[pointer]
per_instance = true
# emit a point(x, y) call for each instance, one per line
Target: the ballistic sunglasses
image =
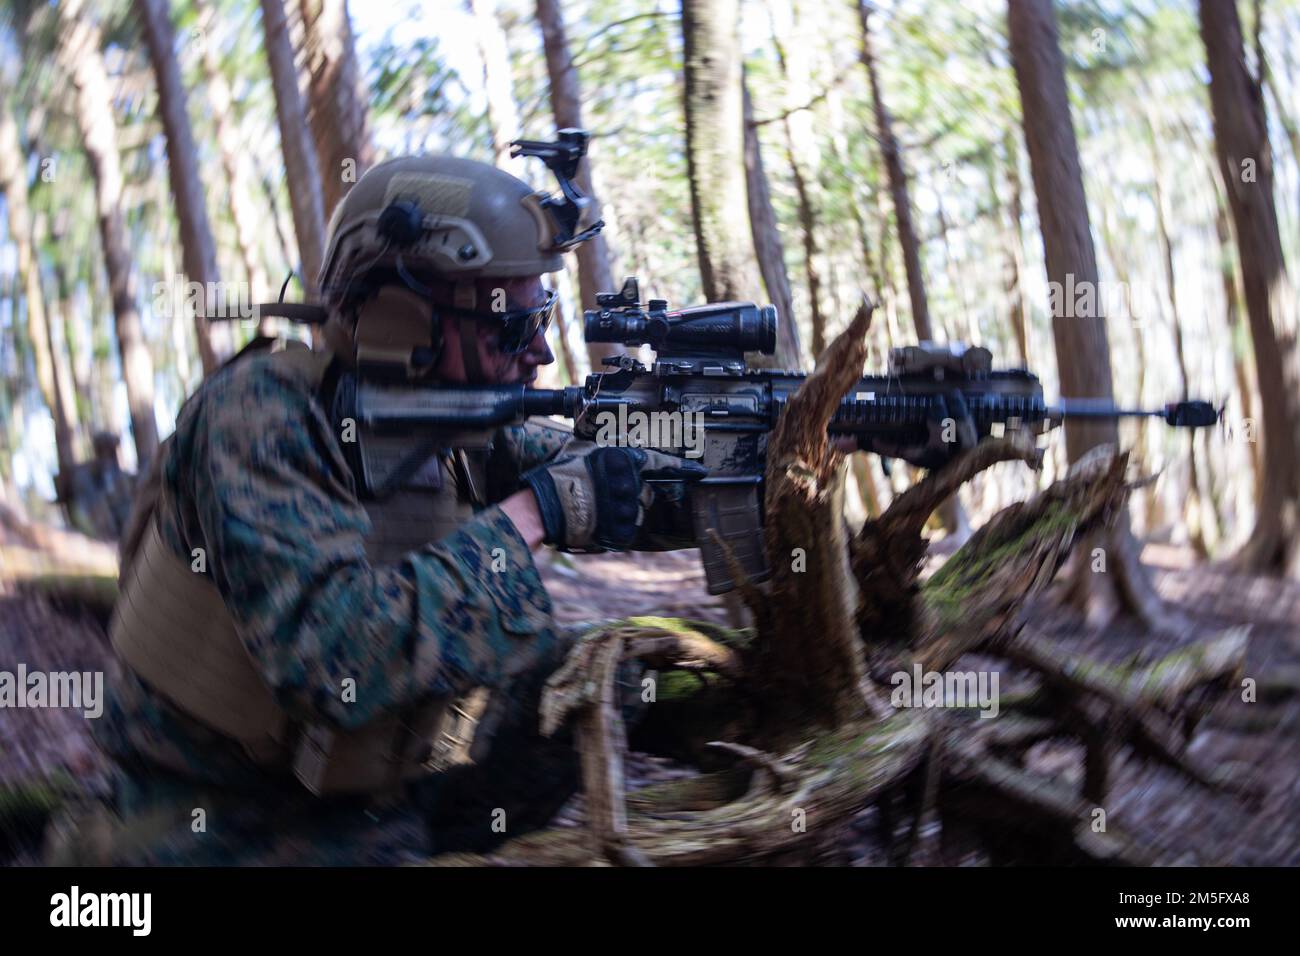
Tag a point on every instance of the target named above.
point(518, 326)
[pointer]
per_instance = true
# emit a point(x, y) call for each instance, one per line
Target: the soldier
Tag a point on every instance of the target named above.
point(97, 493)
point(302, 600)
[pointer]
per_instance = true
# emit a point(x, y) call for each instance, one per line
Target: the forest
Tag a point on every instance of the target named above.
point(1105, 193)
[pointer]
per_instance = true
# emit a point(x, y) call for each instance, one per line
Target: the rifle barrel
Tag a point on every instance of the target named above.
point(1187, 414)
point(1100, 408)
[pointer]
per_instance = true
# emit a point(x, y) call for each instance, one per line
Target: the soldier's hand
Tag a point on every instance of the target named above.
point(594, 498)
point(950, 430)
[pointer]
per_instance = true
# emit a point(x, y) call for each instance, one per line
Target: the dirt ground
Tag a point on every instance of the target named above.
point(1259, 741)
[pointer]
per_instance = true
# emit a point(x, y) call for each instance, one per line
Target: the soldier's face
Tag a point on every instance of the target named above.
point(498, 368)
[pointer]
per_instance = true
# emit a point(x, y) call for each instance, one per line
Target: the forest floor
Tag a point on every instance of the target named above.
point(1260, 743)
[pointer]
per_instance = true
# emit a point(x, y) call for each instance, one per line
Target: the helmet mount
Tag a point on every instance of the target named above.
point(562, 158)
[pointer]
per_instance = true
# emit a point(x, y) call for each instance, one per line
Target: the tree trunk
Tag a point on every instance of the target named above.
point(808, 232)
point(1267, 83)
point(280, 224)
point(198, 251)
point(1152, 514)
point(300, 163)
point(63, 347)
point(872, 267)
point(893, 333)
point(1082, 350)
point(766, 232)
point(81, 359)
point(233, 162)
point(952, 513)
point(715, 148)
point(594, 270)
point(1238, 335)
point(1013, 246)
point(1083, 353)
point(13, 182)
point(571, 368)
point(79, 48)
point(1241, 143)
point(1241, 359)
point(803, 159)
point(336, 99)
point(103, 379)
point(1193, 508)
point(897, 186)
point(972, 333)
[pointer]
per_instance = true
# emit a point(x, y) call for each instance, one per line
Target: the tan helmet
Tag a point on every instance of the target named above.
point(429, 218)
point(455, 218)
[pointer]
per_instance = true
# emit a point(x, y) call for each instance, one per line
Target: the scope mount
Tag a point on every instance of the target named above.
point(932, 359)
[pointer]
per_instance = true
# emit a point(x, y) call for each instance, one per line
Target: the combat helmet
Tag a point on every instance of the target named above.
point(415, 220)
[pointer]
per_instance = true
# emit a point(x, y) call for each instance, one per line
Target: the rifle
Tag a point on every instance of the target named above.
point(717, 409)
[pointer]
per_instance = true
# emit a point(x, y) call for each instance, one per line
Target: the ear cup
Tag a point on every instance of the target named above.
point(398, 334)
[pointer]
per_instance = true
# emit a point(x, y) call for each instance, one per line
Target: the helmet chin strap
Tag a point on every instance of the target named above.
point(466, 297)
point(469, 351)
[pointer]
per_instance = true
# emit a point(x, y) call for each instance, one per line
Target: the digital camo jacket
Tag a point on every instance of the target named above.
point(254, 482)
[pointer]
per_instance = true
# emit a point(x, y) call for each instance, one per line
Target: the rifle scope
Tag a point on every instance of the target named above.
point(740, 326)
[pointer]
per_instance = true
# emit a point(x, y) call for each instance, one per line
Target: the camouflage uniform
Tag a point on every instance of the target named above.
point(255, 477)
point(309, 584)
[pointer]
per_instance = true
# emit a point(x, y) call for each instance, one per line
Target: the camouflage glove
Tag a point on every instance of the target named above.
point(949, 431)
point(594, 498)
